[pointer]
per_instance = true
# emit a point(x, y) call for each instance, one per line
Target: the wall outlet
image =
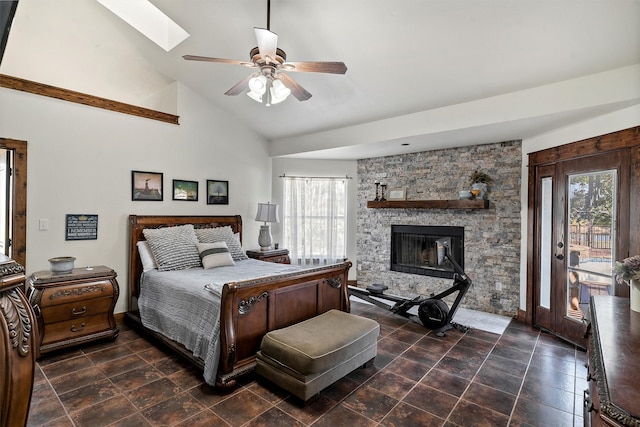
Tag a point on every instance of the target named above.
point(498, 286)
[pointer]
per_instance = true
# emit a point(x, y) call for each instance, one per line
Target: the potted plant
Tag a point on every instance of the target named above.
point(629, 271)
point(479, 182)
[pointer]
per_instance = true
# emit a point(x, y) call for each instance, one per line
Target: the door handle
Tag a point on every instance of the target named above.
point(560, 256)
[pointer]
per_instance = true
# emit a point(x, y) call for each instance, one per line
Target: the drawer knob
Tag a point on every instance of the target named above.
point(79, 313)
point(74, 329)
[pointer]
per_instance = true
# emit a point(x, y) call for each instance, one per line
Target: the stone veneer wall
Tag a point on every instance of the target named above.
point(492, 236)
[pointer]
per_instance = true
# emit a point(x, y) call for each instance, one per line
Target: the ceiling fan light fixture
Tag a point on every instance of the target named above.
point(258, 85)
point(270, 59)
point(255, 96)
point(279, 92)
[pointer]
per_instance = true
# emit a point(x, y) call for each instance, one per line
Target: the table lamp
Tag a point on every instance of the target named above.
point(267, 212)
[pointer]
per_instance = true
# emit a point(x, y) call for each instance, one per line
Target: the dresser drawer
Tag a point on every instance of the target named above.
point(55, 295)
point(76, 310)
point(70, 329)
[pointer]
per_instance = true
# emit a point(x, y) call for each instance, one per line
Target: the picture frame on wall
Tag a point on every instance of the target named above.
point(147, 186)
point(217, 192)
point(185, 190)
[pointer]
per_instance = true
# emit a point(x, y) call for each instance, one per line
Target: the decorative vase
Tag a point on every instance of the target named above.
point(61, 264)
point(635, 295)
point(480, 188)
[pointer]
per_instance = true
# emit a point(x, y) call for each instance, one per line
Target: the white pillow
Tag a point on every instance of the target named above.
point(217, 234)
point(146, 257)
point(214, 254)
point(174, 248)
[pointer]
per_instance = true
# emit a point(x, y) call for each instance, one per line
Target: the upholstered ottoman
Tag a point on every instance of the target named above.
point(307, 357)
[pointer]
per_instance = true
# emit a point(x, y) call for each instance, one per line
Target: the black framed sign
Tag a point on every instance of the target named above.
point(81, 227)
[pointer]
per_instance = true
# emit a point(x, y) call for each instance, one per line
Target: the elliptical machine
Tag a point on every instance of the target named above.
point(433, 312)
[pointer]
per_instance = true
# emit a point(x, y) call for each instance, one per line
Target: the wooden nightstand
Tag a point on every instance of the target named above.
point(74, 308)
point(280, 256)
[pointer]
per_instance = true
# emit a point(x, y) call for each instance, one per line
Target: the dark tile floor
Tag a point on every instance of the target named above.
point(520, 378)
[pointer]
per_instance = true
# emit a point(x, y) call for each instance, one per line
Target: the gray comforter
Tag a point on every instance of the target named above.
point(184, 305)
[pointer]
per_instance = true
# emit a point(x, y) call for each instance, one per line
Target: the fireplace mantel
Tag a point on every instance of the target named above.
point(429, 204)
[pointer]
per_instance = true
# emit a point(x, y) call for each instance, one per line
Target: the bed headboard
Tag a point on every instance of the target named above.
point(137, 223)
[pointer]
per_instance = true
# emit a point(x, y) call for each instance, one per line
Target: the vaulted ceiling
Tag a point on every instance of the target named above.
point(428, 73)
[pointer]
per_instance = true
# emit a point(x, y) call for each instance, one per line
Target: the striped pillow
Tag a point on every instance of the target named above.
point(174, 248)
point(218, 234)
point(214, 254)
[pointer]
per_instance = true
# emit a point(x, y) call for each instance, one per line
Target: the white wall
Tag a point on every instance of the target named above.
point(299, 167)
point(601, 125)
point(80, 160)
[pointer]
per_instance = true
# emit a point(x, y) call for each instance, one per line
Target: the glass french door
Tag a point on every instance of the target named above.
point(5, 201)
point(576, 234)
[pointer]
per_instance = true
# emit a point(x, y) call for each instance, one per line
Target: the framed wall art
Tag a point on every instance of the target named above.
point(185, 190)
point(217, 192)
point(146, 186)
point(397, 193)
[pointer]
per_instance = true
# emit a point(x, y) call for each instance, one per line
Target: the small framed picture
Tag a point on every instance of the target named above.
point(185, 190)
point(146, 186)
point(397, 193)
point(82, 227)
point(217, 192)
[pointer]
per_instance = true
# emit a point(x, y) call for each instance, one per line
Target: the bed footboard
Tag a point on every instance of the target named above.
point(250, 309)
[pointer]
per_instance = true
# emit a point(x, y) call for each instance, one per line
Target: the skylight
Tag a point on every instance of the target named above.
point(149, 20)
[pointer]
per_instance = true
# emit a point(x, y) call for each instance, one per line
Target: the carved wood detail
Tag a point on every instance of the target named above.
point(19, 323)
point(17, 345)
point(78, 291)
point(245, 306)
point(334, 282)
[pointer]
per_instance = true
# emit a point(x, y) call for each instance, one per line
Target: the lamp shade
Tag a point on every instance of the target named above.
point(267, 212)
point(258, 84)
point(279, 92)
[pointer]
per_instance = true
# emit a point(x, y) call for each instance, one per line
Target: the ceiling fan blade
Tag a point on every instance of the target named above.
point(241, 86)
point(267, 44)
point(298, 91)
point(316, 67)
point(221, 60)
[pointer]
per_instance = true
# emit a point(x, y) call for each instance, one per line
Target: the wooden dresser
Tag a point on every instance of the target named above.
point(74, 308)
point(18, 345)
point(274, 255)
point(613, 397)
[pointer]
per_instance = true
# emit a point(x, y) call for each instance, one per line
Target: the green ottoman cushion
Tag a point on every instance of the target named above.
point(320, 343)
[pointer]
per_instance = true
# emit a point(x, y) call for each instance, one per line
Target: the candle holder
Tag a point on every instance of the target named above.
point(377, 199)
point(382, 197)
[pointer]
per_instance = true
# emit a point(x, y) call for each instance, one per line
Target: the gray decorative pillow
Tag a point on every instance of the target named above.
point(218, 234)
point(215, 254)
point(174, 248)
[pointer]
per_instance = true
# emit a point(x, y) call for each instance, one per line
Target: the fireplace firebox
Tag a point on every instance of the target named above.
point(420, 249)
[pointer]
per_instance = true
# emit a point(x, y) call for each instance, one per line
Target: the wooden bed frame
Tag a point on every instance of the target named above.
point(249, 309)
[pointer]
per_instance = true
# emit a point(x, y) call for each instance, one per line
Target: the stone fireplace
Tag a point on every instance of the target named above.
point(420, 249)
point(490, 252)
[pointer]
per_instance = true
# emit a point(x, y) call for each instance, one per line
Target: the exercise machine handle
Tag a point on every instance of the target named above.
point(459, 271)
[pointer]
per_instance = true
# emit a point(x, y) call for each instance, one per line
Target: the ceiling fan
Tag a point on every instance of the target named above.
point(271, 62)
